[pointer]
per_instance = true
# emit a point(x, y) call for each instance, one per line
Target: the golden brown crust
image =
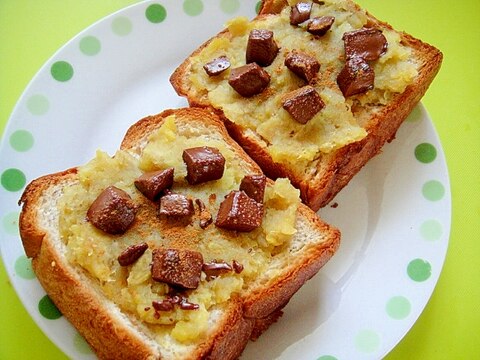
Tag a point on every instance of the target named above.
point(328, 176)
point(114, 335)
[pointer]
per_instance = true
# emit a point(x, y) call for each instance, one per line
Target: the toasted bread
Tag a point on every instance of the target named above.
point(110, 305)
point(321, 156)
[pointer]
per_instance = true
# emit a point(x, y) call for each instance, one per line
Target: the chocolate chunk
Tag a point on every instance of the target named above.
point(302, 65)
point(176, 205)
point(300, 12)
point(187, 305)
point(217, 66)
point(205, 216)
point(214, 269)
point(132, 254)
point(254, 186)
point(249, 80)
point(356, 77)
point(113, 211)
point(237, 267)
point(303, 104)
point(261, 47)
point(164, 305)
point(204, 164)
point(151, 184)
point(367, 43)
point(239, 212)
point(320, 25)
point(177, 267)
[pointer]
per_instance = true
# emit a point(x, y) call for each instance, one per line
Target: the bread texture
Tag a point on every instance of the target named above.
point(62, 245)
point(318, 160)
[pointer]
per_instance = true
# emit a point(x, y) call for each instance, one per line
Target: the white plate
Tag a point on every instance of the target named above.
point(394, 216)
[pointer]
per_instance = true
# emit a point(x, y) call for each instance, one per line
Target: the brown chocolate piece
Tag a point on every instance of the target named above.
point(204, 164)
point(261, 47)
point(367, 43)
point(177, 267)
point(187, 305)
point(217, 66)
point(214, 269)
point(176, 205)
point(237, 267)
point(132, 254)
point(164, 305)
point(254, 186)
point(239, 212)
point(356, 77)
point(300, 12)
point(303, 104)
point(113, 211)
point(320, 25)
point(302, 65)
point(151, 184)
point(205, 216)
point(249, 80)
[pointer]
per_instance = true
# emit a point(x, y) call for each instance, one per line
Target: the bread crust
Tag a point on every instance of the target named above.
point(115, 335)
point(327, 176)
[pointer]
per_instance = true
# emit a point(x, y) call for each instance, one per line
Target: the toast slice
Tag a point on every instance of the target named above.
point(319, 153)
point(120, 309)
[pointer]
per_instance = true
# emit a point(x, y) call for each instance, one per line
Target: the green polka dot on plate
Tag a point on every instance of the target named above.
point(61, 71)
point(122, 26)
point(398, 307)
point(81, 344)
point(425, 153)
point(38, 104)
point(23, 268)
point(48, 309)
point(13, 180)
point(367, 341)
point(327, 357)
point(155, 13)
point(431, 230)
point(229, 6)
point(419, 270)
point(258, 7)
point(433, 190)
point(21, 140)
point(193, 7)
point(10, 223)
point(89, 45)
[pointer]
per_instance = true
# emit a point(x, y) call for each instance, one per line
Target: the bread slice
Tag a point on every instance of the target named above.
point(321, 156)
point(76, 263)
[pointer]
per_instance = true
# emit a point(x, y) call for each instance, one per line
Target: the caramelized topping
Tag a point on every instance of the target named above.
point(303, 104)
point(254, 186)
point(132, 254)
point(366, 43)
point(249, 80)
point(302, 65)
point(300, 12)
point(177, 267)
point(356, 77)
point(203, 164)
point(113, 211)
point(237, 267)
point(151, 184)
point(217, 66)
point(320, 25)
point(261, 47)
point(176, 205)
point(239, 212)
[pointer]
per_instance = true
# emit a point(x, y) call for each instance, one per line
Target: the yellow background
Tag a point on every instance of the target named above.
point(449, 328)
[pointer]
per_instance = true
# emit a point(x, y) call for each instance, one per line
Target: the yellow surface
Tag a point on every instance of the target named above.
point(31, 31)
